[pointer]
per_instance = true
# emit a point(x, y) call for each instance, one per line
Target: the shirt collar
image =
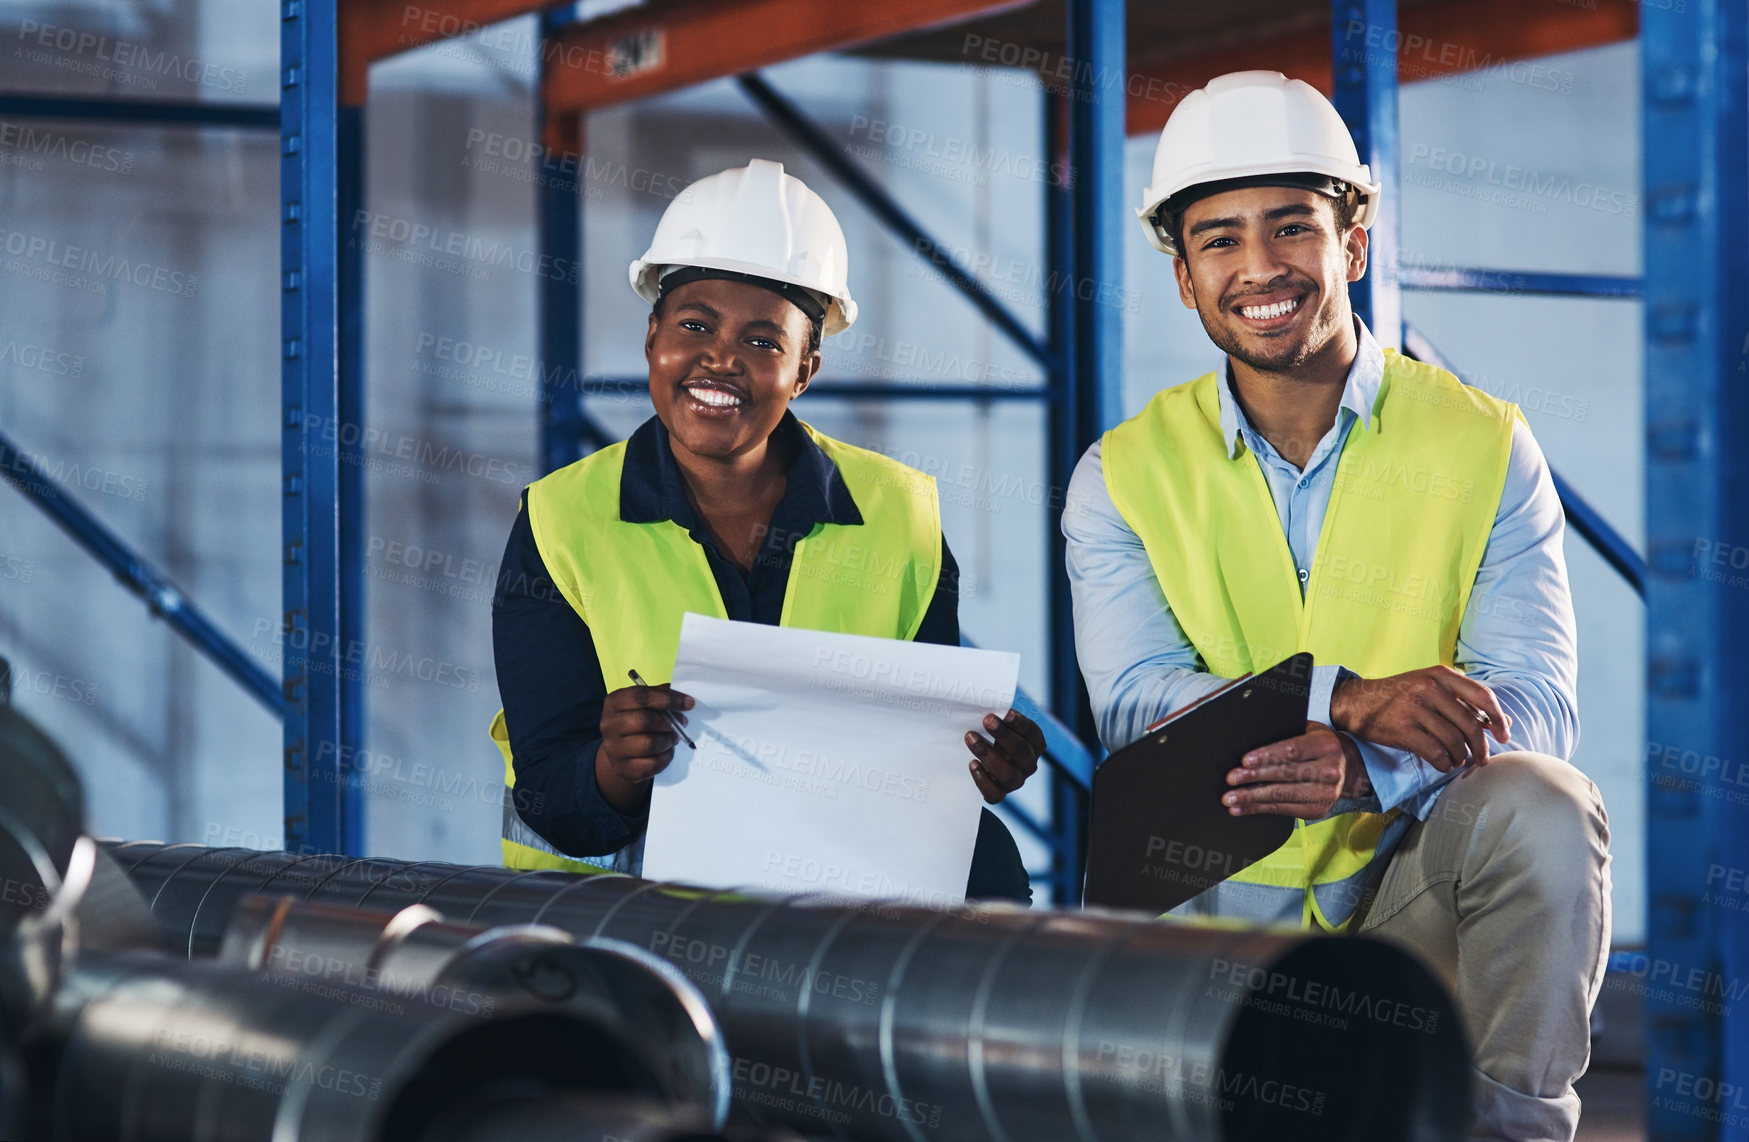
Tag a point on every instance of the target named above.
point(651, 488)
point(1359, 393)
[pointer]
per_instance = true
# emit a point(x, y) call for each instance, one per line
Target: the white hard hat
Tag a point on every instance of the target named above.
point(754, 220)
point(1251, 125)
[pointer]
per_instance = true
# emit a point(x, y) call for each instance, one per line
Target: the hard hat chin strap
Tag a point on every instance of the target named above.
point(798, 296)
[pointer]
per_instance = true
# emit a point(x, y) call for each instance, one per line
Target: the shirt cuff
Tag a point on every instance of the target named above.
point(1324, 680)
point(594, 801)
point(1367, 804)
point(1401, 780)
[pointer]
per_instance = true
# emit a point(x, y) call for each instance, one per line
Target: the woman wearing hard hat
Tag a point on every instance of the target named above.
point(1321, 493)
point(702, 510)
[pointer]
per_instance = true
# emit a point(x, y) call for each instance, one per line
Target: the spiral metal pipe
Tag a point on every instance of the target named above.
point(653, 1007)
point(153, 1049)
point(586, 1119)
point(123, 1044)
point(871, 1022)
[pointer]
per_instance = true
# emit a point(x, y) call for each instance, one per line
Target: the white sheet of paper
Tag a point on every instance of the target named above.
point(826, 763)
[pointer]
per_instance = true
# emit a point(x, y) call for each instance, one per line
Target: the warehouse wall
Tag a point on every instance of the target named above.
point(170, 417)
point(137, 366)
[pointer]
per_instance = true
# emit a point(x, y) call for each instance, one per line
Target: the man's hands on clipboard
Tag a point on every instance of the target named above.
point(1436, 713)
point(1299, 777)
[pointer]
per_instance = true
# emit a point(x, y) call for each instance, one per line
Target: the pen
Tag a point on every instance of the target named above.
point(672, 720)
point(1480, 715)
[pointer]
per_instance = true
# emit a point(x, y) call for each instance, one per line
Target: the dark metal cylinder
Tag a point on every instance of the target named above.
point(585, 1119)
point(13, 1093)
point(162, 1050)
point(880, 1022)
point(649, 1003)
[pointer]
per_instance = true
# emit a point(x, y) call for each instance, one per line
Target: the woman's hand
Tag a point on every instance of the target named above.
point(637, 742)
point(1002, 765)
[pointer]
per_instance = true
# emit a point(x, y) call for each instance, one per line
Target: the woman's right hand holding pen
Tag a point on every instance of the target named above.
point(637, 742)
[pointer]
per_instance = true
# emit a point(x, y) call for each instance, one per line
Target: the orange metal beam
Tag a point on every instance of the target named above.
point(637, 53)
point(1435, 40)
point(372, 30)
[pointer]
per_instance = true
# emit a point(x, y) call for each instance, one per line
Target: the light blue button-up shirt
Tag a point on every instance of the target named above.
point(1517, 634)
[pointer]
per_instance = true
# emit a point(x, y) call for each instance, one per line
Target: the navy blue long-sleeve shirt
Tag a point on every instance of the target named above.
point(549, 675)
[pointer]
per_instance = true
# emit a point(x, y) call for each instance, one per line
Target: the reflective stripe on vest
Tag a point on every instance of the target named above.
point(523, 847)
point(1414, 499)
point(633, 582)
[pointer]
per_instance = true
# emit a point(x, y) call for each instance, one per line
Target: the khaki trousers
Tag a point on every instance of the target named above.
point(1504, 893)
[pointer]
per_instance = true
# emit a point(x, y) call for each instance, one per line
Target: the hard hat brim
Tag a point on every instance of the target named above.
point(646, 281)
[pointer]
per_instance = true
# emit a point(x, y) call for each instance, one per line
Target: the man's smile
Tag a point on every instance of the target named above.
point(1270, 311)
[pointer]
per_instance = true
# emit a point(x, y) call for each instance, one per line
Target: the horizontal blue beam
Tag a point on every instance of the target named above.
point(139, 576)
point(1041, 832)
point(848, 390)
point(157, 111)
point(883, 206)
point(1027, 821)
point(1473, 280)
point(1586, 520)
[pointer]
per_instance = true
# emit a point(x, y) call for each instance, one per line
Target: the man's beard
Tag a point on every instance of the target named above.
point(1283, 357)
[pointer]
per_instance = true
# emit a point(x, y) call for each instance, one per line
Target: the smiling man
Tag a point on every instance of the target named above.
point(723, 504)
point(1321, 493)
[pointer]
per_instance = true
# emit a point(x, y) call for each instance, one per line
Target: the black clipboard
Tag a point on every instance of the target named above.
point(1159, 834)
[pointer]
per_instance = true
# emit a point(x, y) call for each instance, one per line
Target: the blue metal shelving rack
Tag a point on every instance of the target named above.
point(1696, 159)
point(1695, 143)
point(312, 281)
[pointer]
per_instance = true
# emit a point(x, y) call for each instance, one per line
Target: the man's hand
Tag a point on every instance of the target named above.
point(1299, 777)
point(1437, 714)
point(1001, 766)
point(637, 741)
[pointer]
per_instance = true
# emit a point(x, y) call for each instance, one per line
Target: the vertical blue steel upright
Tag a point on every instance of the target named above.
point(310, 455)
point(1063, 443)
point(559, 195)
point(1365, 92)
point(1696, 160)
point(1098, 100)
point(1063, 450)
point(1092, 396)
point(350, 413)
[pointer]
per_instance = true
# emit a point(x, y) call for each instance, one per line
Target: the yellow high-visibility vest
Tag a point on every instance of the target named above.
point(1414, 500)
point(633, 582)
